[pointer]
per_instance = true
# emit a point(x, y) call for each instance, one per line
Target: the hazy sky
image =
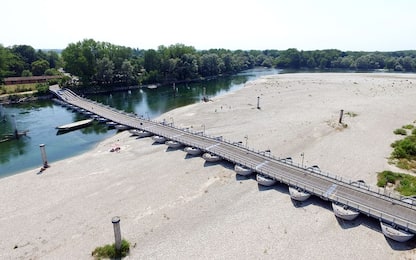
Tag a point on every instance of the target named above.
point(368, 25)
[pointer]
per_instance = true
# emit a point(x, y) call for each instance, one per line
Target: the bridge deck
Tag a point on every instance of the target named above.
point(372, 202)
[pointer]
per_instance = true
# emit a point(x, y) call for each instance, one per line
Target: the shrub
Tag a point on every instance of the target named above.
point(53, 82)
point(351, 114)
point(405, 148)
point(109, 251)
point(406, 183)
point(385, 177)
point(408, 127)
point(42, 88)
point(414, 132)
point(400, 131)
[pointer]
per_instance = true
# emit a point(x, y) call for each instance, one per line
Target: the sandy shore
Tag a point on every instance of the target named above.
point(175, 207)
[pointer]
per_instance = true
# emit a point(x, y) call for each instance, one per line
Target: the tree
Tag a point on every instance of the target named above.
point(10, 63)
point(406, 63)
point(27, 73)
point(51, 72)
point(26, 53)
point(210, 65)
point(126, 72)
point(39, 67)
point(187, 67)
point(105, 71)
point(80, 60)
point(362, 63)
point(152, 60)
point(54, 59)
point(290, 58)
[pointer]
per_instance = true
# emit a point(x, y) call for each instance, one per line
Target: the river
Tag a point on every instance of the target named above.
point(41, 117)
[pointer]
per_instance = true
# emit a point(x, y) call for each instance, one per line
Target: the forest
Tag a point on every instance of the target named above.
point(104, 64)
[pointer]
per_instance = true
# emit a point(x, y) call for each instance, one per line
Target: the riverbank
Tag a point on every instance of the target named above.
point(173, 206)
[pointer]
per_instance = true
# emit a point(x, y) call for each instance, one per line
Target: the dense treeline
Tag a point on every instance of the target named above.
point(102, 63)
point(24, 61)
point(105, 64)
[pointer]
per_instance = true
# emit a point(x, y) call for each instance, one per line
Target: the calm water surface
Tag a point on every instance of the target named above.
point(41, 118)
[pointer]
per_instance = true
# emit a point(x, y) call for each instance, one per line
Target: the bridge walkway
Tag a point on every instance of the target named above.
point(373, 202)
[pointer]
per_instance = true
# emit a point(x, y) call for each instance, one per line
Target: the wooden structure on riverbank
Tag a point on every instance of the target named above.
point(29, 80)
point(16, 135)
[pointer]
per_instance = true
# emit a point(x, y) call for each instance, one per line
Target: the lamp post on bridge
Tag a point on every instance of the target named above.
point(303, 157)
point(246, 137)
point(265, 151)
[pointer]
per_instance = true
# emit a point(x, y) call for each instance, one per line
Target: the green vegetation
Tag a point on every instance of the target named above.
point(106, 64)
point(404, 150)
point(11, 89)
point(24, 61)
point(351, 114)
point(109, 251)
point(42, 88)
point(100, 63)
point(405, 183)
point(400, 131)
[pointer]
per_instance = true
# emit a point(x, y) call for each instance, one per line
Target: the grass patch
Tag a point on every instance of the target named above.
point(400, 131)
point(109, 251)
point(351, 114)
point(409, 126)
point(12, 89)
point(404, 151)
point(405, 183)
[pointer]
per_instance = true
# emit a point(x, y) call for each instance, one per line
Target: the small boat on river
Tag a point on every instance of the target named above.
point(344, 211)
point(395, 233)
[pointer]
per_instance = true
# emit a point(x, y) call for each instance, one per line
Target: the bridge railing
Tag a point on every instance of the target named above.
point(382, 192)
point(267, 156)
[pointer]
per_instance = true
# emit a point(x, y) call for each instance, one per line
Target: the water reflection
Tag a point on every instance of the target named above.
point(41, 118)
point(155, 101)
